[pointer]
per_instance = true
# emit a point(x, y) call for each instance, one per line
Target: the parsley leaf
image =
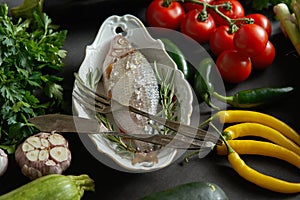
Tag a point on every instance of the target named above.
point(31, 57)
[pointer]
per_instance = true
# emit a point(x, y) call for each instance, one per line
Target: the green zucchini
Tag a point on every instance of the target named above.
point(176, 54)
point(52, 187)
point(190, 191)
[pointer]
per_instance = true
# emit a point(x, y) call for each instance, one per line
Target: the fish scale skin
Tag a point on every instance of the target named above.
point(129, 78)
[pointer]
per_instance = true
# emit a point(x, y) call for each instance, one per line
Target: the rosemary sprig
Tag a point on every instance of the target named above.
point(125, 149)
point(167, 96)
point(122, 148)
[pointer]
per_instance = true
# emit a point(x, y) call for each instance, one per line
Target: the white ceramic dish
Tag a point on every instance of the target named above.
point(153, 50)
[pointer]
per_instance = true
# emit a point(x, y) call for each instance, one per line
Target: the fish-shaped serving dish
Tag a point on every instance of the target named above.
point(126, 64)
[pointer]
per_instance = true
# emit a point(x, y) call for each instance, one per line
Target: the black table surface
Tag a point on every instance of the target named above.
point(82, 22)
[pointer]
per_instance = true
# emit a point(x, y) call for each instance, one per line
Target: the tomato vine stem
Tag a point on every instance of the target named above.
point(215, 8)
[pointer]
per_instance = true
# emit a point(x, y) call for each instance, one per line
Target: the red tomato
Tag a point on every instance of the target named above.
point(250, 39)
point(262, 21)
point(197, 29)
point(221, 40)
point(264, 59)
point(236, 11)
point(166, 16)
point(234, 66)
point(188, 6)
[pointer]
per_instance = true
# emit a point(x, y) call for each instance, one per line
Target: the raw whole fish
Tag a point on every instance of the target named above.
point(129, 78)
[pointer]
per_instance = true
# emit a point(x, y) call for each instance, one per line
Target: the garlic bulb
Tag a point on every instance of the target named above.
point(42, 154)
point(3, 162)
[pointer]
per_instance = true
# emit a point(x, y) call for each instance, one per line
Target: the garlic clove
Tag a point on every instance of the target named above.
point(50, 163)
point(59, 154)
point(32, 155)
point(57, 139)
point(27, 147)
point(43, 155)
point(45, 143)
point(34, 141)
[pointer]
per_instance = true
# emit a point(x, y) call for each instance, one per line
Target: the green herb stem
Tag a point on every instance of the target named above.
point(288, 24)
point(295, 6)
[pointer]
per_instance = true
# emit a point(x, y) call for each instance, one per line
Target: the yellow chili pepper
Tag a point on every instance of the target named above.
point(262, 148)
point(237, 116)
point(262, 180)
point(260, 130)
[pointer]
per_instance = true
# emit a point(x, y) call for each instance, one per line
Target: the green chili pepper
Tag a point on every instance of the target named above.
point(253, 97)
point(176, 54)
point(202, 85)
point(241, 99)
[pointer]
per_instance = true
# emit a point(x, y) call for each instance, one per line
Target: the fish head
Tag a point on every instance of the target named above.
point(119, 47)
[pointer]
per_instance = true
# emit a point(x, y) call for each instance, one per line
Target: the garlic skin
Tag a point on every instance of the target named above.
point(3, 162)
point(42, 154)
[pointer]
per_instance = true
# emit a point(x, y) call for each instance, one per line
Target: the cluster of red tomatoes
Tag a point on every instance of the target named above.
point(239, 46)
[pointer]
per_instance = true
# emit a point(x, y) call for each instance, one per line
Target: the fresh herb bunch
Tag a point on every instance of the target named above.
point(30, 60)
